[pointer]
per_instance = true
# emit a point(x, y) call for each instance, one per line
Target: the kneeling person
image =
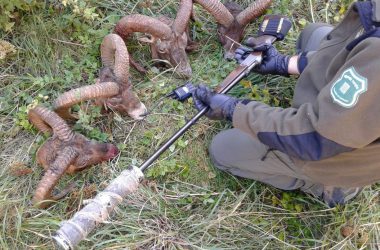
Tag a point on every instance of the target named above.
point(326, 144)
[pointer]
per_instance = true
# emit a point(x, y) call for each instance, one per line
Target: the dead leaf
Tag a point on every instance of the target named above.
point(19, 169)
point(347, 231)
point(6, 49)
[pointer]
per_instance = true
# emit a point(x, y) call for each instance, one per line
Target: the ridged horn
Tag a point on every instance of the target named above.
point(46, 120)
point(52, 176)
point(114, 54)
point(140, 23)
point(218, 11)
point(253, 11)
point(65, 101)
point(183, 16)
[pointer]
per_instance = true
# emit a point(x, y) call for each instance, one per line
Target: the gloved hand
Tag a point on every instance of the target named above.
point(273, 62)
point(221, 106)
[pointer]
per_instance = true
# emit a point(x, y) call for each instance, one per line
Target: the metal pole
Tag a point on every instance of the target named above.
point(98, 209)
point(251, 61)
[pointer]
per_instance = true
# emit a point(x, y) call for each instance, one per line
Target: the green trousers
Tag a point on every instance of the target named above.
point(240, 154)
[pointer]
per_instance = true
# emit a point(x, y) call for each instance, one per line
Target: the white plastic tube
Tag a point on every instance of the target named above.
point(98, 209)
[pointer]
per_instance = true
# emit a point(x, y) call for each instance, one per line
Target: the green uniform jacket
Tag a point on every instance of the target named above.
point(331, 131)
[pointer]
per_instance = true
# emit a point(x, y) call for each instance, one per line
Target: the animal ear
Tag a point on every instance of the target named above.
point(147, 39)
point(192, 46)
point(137, 66)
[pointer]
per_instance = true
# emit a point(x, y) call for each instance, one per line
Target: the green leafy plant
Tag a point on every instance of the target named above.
point(168, 167)
point(84, 124)
point(81, 8)
point(22, 114)
point(10, 11)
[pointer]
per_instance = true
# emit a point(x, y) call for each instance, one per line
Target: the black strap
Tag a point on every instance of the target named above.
point(373, 33)
point(366, 14)
point(275, 25)
point(302, 61)
point(364, 10)
point(376, 12)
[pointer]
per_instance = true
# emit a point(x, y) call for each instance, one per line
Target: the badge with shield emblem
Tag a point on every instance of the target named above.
point(347, 89)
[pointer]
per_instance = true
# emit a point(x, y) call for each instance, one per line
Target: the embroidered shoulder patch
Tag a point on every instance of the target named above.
point(347, 89)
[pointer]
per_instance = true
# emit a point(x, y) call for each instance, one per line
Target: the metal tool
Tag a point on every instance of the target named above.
point(182, 93)
point(97, 211)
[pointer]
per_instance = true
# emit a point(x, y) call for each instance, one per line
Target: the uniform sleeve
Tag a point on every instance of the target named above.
point(345, 115)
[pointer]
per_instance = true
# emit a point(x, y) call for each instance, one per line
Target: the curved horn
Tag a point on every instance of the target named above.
point(51, 177)
point(253, 11)
point(141, 23)
point(114, 54)
point(47, 120)
point(183, 16)
point(65, 101)
point(218, 11)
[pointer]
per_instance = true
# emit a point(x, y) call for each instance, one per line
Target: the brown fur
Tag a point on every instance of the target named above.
point(64, 152)
point(90, 152)
point(87, 153)
point(172, 50)
point(169, 39)
point(234, 33)
point(231, 32)
point(112, 90)
point(123, 102)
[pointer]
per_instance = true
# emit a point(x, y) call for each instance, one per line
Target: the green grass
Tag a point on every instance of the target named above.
point(185, 203)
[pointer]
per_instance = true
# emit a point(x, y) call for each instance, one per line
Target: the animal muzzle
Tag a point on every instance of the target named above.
point(229, 50)
point(183, 69)
point(184, 72)
point(139, 113)
point(181, 63)
point(229, 55)
point(112, 152)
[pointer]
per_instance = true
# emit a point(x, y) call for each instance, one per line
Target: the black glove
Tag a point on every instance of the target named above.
point(220, 106)
point(273, 62)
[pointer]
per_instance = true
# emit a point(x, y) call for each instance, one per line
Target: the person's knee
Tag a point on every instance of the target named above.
point(216, 149)
point(228, 147)
point(311, 37)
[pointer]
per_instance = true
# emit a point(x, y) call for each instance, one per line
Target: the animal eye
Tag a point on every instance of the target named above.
point(161, 50)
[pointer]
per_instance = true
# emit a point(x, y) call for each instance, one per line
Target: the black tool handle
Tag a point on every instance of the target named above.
point(277, 26)
point(239, 73)
point(98, 210)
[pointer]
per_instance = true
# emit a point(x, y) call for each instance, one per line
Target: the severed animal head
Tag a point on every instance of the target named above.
point(169, 39)
point(113, 89)
point(232, 20)
point(64, 152)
